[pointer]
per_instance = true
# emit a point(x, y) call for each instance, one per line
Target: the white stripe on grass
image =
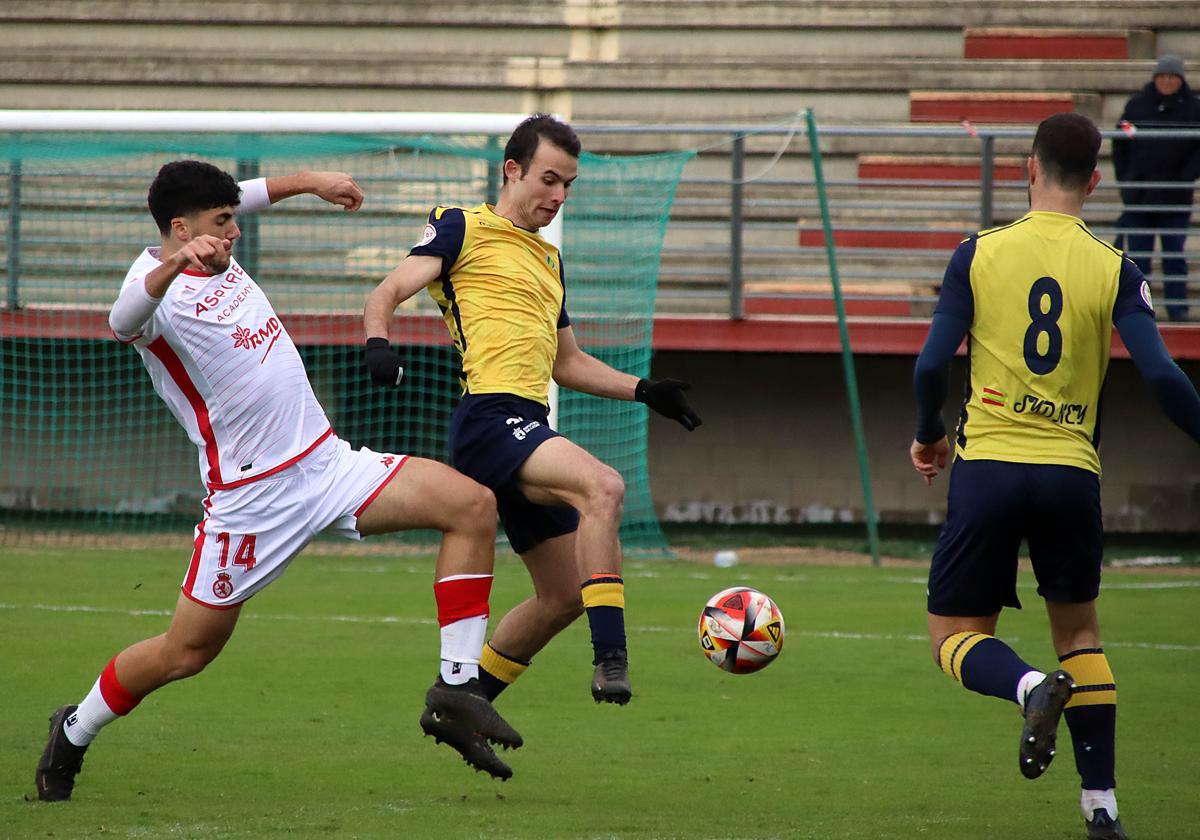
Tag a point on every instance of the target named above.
point(642, 628)
point(922, 581)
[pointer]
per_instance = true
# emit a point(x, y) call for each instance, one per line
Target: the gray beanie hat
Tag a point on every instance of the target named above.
point(1171, 65)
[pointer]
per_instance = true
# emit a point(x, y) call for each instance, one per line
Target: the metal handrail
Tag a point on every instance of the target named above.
point(761, 211)
point(981, 214)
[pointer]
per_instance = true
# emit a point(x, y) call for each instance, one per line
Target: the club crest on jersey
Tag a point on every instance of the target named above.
point(428, 236)
point(222, 587)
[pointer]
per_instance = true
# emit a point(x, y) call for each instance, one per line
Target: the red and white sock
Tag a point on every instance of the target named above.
point(107, 701)
point(462, 602)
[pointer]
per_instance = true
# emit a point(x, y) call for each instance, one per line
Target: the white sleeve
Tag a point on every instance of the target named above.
point(133, 309)
point(254, 195)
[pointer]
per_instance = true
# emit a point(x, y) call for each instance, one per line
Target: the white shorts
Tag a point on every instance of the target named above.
point(249, 534)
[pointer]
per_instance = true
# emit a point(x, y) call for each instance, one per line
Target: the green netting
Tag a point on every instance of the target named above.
point(87, 448)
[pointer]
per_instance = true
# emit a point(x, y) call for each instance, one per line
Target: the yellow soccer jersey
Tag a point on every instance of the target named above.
point(1041, 296)
point(502, 296)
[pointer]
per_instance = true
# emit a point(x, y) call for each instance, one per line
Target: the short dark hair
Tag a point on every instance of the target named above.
point(525, 137)
point(1066, 146)
point(183, 187)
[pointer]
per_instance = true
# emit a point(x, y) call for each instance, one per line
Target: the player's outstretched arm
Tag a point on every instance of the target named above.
point(1174, 392)
point(136, 303)
point(335, 187)
point(580, 371)
point(405, 280)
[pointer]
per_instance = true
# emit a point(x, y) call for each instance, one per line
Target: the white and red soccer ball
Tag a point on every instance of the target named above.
point(741, 630)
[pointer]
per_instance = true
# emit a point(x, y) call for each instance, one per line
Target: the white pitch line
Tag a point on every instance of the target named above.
point(797, 577)
point(392, 619)
point(922, 581)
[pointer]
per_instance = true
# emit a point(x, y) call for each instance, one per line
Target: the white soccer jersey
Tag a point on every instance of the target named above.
point(220, 358)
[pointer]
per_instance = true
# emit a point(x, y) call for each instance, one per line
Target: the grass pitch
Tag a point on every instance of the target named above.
point(306, 726)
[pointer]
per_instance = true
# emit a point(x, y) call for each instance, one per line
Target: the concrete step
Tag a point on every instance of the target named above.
point(992, 43)
point(1003, 107)
point(922, 14)
point(445, 39)
point(803, 73)
point(878, 300)
point(720, 39)
point(942, 238)
point(936, 168)
point(397, 13)
point(458, 37)
point(624, 14)
point(156, 66)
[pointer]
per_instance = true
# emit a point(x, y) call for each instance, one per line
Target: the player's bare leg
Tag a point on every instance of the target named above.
point(530, 625)
point(194, 638)
point(559, 472)
point(196, 635)
point(427, 494)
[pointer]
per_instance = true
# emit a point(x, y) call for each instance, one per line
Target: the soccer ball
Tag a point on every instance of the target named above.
point(741, 630)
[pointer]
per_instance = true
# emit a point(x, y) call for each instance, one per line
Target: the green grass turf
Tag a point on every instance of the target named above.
point(306, 726)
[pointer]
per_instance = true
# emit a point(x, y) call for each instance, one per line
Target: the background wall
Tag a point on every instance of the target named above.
point(777, 444)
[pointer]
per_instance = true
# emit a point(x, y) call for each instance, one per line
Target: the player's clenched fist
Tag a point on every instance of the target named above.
point(206, 253)
point(383, 363)
point(338, 188)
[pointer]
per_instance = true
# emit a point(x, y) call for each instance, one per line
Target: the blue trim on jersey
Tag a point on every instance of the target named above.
point(956, 297)
point(564, 320)
point(451, 232)
point(1129, 291)
point(448, 292)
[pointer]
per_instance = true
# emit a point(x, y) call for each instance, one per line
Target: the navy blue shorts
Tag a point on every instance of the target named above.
point(992, 506)
point(491, 436)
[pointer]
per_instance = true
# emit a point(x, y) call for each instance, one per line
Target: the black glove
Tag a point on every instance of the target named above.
point(666, 397)
point(383, 363)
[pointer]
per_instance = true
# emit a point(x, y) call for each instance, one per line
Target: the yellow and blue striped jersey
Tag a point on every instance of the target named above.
point(1041, 296)
point(503, 297)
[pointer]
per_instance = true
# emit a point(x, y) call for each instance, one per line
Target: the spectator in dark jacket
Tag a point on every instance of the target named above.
point(1166, 102)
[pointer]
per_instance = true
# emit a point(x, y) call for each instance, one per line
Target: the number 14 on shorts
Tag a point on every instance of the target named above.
point(244, 556)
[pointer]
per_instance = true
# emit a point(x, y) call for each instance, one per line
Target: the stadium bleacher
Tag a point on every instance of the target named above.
point(606, 62)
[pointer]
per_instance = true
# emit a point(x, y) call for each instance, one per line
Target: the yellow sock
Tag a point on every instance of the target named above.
point(497, 671)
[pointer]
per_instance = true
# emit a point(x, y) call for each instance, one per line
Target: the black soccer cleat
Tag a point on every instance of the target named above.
point(61, 761)
point(1103, 827)
point(462, 716)
point(1043, 709)
point(610, 682)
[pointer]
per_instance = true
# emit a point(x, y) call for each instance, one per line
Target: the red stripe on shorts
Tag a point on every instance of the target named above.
point(461, 598)
point(379, 489)
point(198, 549)
point(115, 695)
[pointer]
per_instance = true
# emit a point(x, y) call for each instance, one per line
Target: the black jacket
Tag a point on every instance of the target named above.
point(1163, 159)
